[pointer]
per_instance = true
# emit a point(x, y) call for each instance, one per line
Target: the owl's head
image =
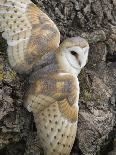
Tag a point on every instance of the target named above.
point(73, 54)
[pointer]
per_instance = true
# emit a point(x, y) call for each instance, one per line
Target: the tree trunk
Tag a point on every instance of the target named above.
point(94, 20)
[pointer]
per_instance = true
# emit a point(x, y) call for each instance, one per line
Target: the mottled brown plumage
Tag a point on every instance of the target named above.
point(53, 100)
point(53, 92)
point(29, 32)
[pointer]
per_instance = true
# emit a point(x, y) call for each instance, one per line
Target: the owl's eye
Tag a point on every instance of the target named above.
point(76, 56)
point(74, 53)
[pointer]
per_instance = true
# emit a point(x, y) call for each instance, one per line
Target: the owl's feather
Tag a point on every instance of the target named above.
point(56, 85)
point(54, 112)
point(53, 93)
point(56, 132)
point(29, 32)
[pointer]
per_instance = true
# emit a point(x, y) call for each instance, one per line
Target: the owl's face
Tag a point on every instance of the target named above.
point(74, 53)
point(76, 56)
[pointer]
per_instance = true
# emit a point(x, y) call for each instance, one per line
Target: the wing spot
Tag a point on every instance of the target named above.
point(50, 121)
point(59, 130)
point(19, 16)
point(11, 16)
point(54, 137)
point(54, 150)
point(55, 116)
point(56, 122)
point(15, 11)
point(13, 4)
point(64, 145)
point(45, 127)
point(52, 129)
point(62, 122)
point(42, 114)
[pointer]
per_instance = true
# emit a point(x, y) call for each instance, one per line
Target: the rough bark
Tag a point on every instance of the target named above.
point(94, 20)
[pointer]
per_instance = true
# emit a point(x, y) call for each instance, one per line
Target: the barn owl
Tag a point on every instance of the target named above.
point(33, 47)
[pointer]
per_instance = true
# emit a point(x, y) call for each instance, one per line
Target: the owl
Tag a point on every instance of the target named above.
point(53, 93)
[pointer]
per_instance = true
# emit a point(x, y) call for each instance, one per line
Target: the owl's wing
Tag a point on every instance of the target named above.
point(55, 116)
point(56, 123)
point(29, 32)
point(62, 89)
